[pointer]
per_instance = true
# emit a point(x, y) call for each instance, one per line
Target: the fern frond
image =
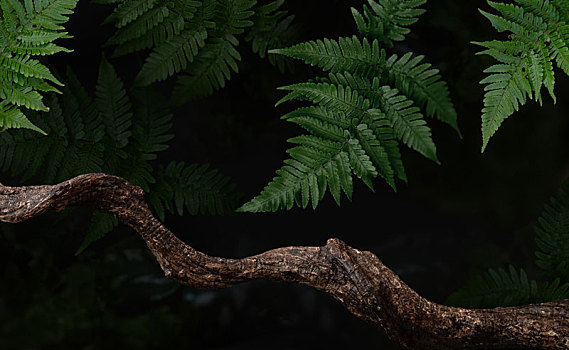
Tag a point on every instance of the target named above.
point(506, 288)
point(115, 110)
point(194, 188)
point(332, 96)
point(211, 69)
point(158, 24)
point(417, 80)
point(507, 91)
point(172, 56)
point(146, 22)
point(151, 126)
point(101, 224)
point(28, 30)
point(214, 63)
point(25, 153)
point(161, 32)
point(12, 118)
point(25, 97)
point(422, 84)
point(348, 54)
point(405, 119)
point(129, 10)
point(366, 103)
point(386, 20)
point(347, 138)
point(552, 236)
point(306, 176)
point(49, 14)
point(539, 37)
point(272, 28)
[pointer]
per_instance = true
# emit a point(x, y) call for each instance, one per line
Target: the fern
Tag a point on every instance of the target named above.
point(498, 288)
point(507, 288)
point(364, 106)
point(198, 40)
point(386, 20)
point(539, 37)
point(219, 57)
point(28, 30)
point(418, 81)
point(272, 28)
point(107, 134)
point(552, 236)
point(194, 188)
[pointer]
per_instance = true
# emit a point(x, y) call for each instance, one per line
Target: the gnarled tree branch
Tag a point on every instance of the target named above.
point(365, 286)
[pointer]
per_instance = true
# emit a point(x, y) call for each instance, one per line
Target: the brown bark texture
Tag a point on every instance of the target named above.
point(358, 279)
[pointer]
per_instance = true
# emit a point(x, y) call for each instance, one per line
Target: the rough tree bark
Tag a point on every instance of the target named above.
point(358, 279)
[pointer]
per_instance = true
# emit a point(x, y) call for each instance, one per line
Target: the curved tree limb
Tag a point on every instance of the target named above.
point(365, 286)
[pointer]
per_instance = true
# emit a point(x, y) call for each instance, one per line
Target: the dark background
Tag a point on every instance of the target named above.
point(449, 223)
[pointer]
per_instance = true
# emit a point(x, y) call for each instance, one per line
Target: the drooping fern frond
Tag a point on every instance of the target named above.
point(386, 20)
point(538, 37)
point(364, 106)
point(219, 56)
point(552, 236)
point(116, 133)
point(507, 288)
point(28, 30)
point(197, 39)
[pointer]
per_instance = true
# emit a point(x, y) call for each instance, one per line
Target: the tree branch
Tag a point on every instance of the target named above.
point(365, 286)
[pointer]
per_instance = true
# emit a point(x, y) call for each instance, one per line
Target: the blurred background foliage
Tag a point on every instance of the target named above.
point(448, 224)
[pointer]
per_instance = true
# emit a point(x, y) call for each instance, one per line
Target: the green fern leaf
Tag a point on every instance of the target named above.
point(405, 119)
point(386, 20)
point(12, 118)
point(346, 54)
point(538, 37)
point(50, 14)
point(28, 30)
point(507, 91)
point(172, 56)
point(422, 84)
point(101, 224)
point(272, 28)
point(129, 10)
point(152, 123)
point(214, 63)
point(552, 236)
point(194, 188)
point(146, 22)
point(366, 103)
point(331, 96)
point(115, 109)
point(306, 177)
point(506, 288)
point(348, 140)
point(414, 79)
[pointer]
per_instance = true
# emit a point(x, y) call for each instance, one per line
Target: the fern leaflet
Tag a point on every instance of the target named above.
point(507, 288)
point(386, 20)
point(28, 30)
point(195, 188)
point(539, 37)
point(552, 236)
